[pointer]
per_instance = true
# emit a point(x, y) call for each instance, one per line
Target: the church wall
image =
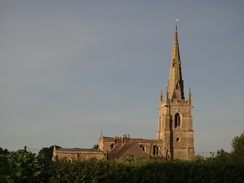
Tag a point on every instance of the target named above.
point(181, 153)
point(79, 154)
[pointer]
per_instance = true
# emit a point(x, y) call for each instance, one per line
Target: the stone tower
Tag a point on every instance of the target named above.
point(175, 119)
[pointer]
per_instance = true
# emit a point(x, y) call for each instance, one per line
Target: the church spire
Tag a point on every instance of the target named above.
point(175, 87)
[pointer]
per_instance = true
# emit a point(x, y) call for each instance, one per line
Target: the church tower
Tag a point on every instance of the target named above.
point(175, 119)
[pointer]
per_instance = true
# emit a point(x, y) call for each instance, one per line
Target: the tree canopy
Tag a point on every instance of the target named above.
point(238, 147)
point(4, 151)
point(47, 152)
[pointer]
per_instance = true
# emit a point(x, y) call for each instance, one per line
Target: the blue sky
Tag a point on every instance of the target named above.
point(71, 69)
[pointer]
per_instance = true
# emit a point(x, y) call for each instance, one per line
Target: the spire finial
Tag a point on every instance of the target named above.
point(176, 20)
point(161, 95)
point(189, 96)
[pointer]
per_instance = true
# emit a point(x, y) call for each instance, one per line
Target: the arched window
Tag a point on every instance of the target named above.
point(177, 120)
point(155, 150)
point(143, 147)
point(111, 146)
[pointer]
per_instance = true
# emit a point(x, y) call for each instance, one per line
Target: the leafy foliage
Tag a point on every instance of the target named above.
point(4, 151)
point(211, 170)
point(20, 166)
point(24, 166)
point(46, 153)
point(44, 157)
point(238, 147)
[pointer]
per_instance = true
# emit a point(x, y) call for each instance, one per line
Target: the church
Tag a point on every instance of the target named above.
point(175, 135)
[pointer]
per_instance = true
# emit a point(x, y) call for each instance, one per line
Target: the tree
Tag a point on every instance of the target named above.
point(4, 151)
point(24, 167)
point(223, 154)
point(238, 147)
point(45, 158)
point(5, 169)
point(46, 153)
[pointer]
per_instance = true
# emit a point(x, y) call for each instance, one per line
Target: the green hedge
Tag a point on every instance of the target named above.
point(25, 167)
point(148, 171)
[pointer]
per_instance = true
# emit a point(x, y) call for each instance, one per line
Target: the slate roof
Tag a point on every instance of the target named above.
point(131, 148)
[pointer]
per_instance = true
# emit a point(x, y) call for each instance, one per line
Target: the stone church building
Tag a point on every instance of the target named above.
point(175, 135)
